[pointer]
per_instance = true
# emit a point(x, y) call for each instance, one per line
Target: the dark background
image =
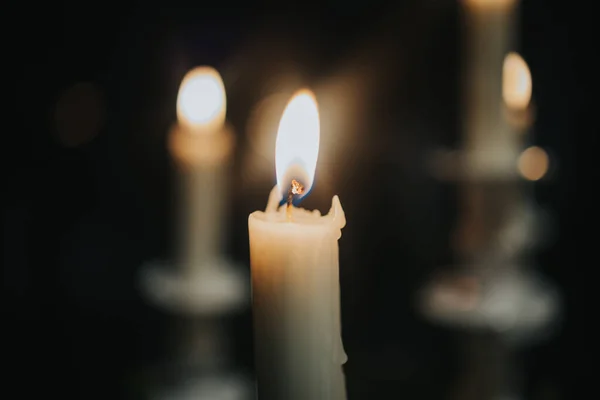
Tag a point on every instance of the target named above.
point(82, 213)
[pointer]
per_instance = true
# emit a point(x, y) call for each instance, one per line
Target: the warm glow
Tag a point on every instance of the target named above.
point(516, 82)
point(533, 163)
point(201, 102)
point(490, 4)
point(297, 145)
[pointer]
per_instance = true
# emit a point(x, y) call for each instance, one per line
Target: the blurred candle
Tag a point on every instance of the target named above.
point(201, 144)
point(295, 273)
point(490, 28)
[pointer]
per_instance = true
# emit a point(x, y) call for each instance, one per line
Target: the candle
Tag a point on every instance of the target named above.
point(295, 273)
point(201, 144)
point(491, 148)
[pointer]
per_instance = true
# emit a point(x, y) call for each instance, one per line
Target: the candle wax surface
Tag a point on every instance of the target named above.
point(296, 301)
point(300, 216)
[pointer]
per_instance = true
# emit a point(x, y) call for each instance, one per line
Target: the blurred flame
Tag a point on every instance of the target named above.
point(201, 102)
point(516, 82)
point(490, 4)
point(533, 163)
point(297, 144)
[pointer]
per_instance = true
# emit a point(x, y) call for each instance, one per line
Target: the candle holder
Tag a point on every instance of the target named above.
point(202, 301)
point(495, 295)
point(218, 290)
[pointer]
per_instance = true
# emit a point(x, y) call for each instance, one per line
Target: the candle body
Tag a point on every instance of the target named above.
point(491, 145)
point(202, 161)
point(202, 189)
point(296, 303)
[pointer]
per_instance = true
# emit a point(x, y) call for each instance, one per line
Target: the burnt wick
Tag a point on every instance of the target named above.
point(296, 188)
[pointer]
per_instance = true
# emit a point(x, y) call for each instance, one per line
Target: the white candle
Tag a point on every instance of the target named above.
point(295, 274)
point(201, 144)
point(491, 148)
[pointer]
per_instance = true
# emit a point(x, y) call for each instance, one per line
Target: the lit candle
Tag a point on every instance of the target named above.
point(201, 144)
point(295, 273)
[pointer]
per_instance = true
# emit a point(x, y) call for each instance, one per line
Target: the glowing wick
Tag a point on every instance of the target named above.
point(296, 188)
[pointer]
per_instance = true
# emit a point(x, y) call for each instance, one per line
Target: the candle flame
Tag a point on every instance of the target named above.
point(516, 82)
point(201, 102)
point(484, 5)
point(297, 145)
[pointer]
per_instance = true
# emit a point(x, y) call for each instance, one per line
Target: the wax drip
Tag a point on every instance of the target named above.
point(296, 188)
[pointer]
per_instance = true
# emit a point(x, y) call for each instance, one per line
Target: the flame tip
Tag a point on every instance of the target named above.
point(304, 91)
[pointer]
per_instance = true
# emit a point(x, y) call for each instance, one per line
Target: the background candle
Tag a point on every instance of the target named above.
point(489, 37)
point(201, 144)
point(295, 275)
point(207, 287)
point(490, 147)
